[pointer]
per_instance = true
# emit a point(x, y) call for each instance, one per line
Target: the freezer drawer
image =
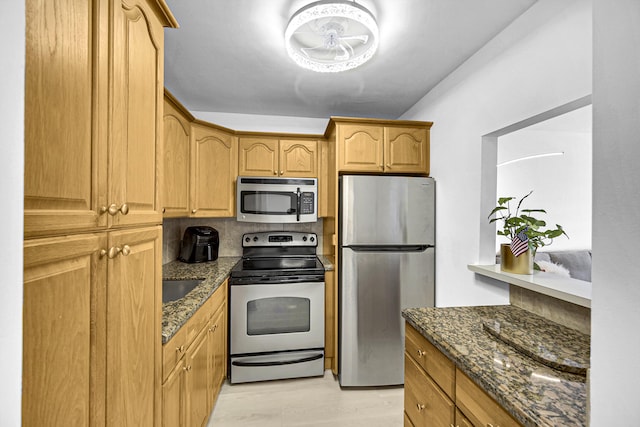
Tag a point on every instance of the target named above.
point(375, 286)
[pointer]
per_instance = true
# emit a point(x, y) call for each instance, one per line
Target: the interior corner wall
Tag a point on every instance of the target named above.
point(542, 60)
point(12, 46)
point(615, 313)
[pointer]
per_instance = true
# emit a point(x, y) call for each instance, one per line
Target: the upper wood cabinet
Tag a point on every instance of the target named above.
point(93, 103)
point(366, 145)
point(175, 182)
point(214, 169)
point(271, 156)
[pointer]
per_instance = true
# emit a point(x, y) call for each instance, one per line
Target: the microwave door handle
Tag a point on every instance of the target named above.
point(299, 204)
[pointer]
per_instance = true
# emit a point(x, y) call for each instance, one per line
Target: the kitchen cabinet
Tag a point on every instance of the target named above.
point(194, 364)
point(92, 246)
point(366, 145)
point(177, 148)
point(331, 321)
point(272, 156)
point(64, 322)
point(214, 169)
point(93, 102)
point(437, 393)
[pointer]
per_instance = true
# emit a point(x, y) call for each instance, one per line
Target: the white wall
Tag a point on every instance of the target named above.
point(263, 123)
point(12, 41)
point(541, 61)
point(615, 312)
point(561, 184)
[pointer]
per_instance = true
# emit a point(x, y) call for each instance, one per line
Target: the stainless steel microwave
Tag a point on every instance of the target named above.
point(277, 200)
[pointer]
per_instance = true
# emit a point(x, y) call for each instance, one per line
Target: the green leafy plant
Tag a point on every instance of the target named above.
point(523, 220)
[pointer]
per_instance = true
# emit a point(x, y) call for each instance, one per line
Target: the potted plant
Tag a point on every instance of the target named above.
point(525, 232)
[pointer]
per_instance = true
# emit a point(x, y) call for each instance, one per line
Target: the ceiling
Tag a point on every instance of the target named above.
point(228, 56)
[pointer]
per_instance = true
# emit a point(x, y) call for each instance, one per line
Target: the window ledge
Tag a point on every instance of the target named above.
point(566, 289)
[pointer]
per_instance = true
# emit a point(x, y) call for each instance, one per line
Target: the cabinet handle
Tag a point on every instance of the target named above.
point(281, 172)
point(420, 407)
point(114, 209)
point(126, 250)
point(194, 210)
point(103, 209)
point(490, 425)
point(187, 368)
point(180, 349)
point(113, 252)
point(421, 353)
point(103, 252)
point(164, 210)
point(275, 172)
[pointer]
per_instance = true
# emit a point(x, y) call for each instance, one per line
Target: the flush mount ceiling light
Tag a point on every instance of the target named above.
point(331, 36)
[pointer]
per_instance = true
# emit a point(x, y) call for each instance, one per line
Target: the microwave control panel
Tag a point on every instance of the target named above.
point(306, 203)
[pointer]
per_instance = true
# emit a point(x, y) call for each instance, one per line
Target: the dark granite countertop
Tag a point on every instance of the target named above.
point(176, 313)
point(534, 393)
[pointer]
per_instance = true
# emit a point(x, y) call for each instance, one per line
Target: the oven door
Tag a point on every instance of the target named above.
point(276, 317)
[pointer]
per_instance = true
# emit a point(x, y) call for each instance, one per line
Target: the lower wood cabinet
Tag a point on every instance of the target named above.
point(436, 393)
point(196, 368)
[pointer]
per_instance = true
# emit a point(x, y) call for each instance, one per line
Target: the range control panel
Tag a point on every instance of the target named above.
point(279, 238)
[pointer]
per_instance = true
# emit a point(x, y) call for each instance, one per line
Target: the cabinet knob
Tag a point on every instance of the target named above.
point(103, 252)
point(103, 209)
point(421, 353)
point(180, 349)
point(126, 250)
point(164, 210)
point(113, 252)
point(420, 407)
point(281, 172)
point(275, 172)
point(187, 368)
point(114, 209)
point(194, 210)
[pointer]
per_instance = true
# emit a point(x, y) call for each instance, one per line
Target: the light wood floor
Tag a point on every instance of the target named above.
point(306, 402)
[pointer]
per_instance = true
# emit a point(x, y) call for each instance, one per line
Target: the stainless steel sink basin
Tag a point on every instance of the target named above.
point(175, 289)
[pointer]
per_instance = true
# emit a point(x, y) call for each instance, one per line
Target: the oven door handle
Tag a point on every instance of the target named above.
point(279, 362)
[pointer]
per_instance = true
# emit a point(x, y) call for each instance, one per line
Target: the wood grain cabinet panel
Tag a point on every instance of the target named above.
point(272, 156)
point(425, 403)
point(175, 182)
point(258, 156)
point(360, 148)
point(134, 316)
point(173, 405)
point(213, 172)
point(65, 174)
point(298, 158)
point(406, 150)
point(64, 331)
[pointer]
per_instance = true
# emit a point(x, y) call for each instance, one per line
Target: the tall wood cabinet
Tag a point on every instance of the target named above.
point(93, 252)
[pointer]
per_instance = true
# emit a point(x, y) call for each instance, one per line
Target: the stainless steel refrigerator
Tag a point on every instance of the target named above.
point(387, 255)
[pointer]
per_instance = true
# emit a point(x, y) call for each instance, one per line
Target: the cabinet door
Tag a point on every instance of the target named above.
point(173, 402)
point(134, 317)
point(298, 158)
point(198, 380)
point(64, 331)
point(258, 157)
point(175, 182)
point(406, 150)
point(65, 150)
point(424, 402)
point(218, 342)
point(135, 107)
point(360, 148)
point(214, 170)
point(461, 420)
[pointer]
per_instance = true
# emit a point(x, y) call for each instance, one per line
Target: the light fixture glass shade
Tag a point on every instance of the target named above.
point(331, 36)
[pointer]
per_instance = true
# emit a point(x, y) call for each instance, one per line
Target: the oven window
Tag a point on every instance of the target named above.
point(270, 203)
point(278, 315)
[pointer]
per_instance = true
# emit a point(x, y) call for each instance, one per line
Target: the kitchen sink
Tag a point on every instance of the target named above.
point(175, 289)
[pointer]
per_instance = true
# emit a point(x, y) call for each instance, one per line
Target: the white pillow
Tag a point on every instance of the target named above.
point(550, 267)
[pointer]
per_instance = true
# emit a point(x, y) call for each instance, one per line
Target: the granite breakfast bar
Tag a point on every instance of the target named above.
point(533, 368)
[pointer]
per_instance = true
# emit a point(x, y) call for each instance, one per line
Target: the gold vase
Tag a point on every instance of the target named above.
point(509, 263)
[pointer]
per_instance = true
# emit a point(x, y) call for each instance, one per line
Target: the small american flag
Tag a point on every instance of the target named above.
point(520, 243)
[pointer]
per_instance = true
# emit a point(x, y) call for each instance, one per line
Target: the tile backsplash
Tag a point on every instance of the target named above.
point(230, 232)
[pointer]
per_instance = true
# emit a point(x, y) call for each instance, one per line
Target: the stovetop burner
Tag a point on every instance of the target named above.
point(274, 256)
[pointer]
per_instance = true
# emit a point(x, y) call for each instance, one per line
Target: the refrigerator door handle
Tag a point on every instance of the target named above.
point(389, 248)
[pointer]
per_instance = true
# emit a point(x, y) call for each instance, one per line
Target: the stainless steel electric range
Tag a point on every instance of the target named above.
point(276, 308)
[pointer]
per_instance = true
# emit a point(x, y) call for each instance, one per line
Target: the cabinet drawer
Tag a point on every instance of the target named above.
point(424, 402)
point(436, 364)
point(172, 352)
point(478, 406)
